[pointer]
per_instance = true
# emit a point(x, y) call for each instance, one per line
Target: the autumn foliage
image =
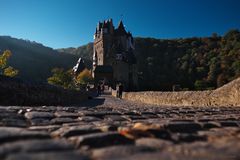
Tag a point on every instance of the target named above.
point(61, 78)
point(68, 80)
point(4, 68)
point(84, 77)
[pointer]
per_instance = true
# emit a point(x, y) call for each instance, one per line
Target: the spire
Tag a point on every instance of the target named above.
point(120, 25)
point(121, 30)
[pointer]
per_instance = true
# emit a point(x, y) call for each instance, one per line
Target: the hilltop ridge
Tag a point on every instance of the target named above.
point(34, 60)
point(196, 63)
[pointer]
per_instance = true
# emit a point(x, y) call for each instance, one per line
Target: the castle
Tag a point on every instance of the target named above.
point(114, 60)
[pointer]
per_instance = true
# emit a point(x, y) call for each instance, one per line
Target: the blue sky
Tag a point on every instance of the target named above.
point(71, 23)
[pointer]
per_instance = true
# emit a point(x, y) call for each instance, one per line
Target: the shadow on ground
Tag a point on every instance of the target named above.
point(93, 102)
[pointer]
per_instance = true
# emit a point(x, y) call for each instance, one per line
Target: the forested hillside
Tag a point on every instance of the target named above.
point(193, 63)
point(84, 52)
point(33, 60)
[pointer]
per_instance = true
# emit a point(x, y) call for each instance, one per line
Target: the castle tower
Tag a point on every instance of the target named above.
point(113, 55)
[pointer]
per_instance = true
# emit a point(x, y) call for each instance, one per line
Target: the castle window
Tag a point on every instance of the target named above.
point(118, 56)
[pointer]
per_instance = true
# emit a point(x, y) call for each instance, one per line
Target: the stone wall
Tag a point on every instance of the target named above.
point(17, 92)
point(228, 95)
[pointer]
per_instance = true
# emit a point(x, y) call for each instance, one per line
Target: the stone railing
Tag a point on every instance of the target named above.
point(228, 95)
point(16, 92)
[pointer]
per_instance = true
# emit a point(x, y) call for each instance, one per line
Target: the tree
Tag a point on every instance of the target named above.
point(84, 77)
point(236, 67)
point(232, 34)
point(10, 72)
point(4, 68)
point(221, 80)
point(200, 84)
point(214, 69)
point(61, 78)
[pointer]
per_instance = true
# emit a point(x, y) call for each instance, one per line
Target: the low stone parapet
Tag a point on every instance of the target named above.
point(228, 95)
point(17, 92)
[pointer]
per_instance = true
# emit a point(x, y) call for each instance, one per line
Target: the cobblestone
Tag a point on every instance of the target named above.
point(34, 146)
point(98, 140)
point(74, 131)
point(119, 129)
point(71, 155)
point(119, 151)
point(33, 115)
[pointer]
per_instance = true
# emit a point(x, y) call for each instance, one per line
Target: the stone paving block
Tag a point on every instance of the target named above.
point(31, 146)
point(160, 133)
point(43, 109)
point(12, 122)
point(69, 155)
point(229, 123)
point(33, 115)
point(140, 130)
point(100, 114)
point(114, 118)
point(113, 152)
point(39, 121)
point(211, 124)
point(147, 116)
point(205, 119)
point(183, 127)
point(147, 113)
point(204, 150)
point(232, 118)
point(62, 120)
point(13, 115)
point(182, 120)
point(63, 114)
point(107, 128)
point(186, 138)
point(77, 123)
point(101, 140)
point(135, 113)
point(89, 119)
point(153, 156)
point(217, 133)
point(68, 109)
point(74, 131)
point(133, 117)
point(48, 128)
point(153, 143)
point(9, 134)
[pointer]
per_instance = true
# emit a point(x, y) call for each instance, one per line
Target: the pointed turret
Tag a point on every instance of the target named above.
point(120, 25)
point(121, 29)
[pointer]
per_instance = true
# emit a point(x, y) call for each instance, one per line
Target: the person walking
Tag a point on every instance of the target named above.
point(99, 90)
point(117, 89)
point(102, 88)
point(120, 90)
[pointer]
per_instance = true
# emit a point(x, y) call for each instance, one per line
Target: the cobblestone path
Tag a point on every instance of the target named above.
point(108, 128)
